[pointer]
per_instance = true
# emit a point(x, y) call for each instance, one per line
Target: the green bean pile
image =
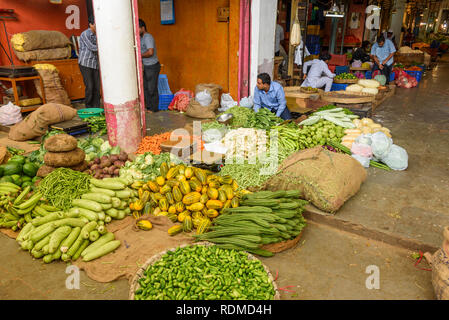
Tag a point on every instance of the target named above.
point(63, 185)
point(212, 125)
point(242, 116)
point(205, 273)
point(246, 174)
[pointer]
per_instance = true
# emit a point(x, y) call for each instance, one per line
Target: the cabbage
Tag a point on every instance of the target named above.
point(368, 83)
point(354, 88)
point(97, 142)
point(373, 91)
point(105, 147)
point(149, 159)
point(115, 150)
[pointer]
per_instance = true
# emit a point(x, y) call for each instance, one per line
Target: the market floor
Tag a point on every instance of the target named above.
point(328, 263)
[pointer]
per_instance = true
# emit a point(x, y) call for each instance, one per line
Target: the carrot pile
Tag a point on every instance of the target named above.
point(153, 143)
point(414, 68)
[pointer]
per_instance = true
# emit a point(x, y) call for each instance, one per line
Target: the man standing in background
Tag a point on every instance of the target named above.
point(151, 68)
point(88, 63)
point(279, 50)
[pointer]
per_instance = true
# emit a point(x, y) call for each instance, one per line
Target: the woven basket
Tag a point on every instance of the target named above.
point(344, 81)
point(296, 92)
point(140, 273)
point(282, 246)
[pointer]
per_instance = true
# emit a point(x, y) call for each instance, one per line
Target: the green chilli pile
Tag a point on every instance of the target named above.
point(63, 185)
point(205, 273)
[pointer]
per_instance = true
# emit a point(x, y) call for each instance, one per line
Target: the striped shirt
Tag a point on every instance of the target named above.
point(88, 56)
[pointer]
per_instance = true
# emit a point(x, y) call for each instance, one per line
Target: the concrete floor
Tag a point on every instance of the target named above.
point(329, 263)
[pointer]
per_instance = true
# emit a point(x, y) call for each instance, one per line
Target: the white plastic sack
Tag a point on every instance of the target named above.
point(247, 102)
point(363, 150)
point(363, 160)
point(357, 64)
point(227, 102)
point(10, 114)
point(396, 158)
point(204, 98)
point(380, 144)
point(364, 139)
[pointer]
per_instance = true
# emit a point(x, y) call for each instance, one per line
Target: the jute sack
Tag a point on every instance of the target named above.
point(44, 54)
point(39, 39)
point(36, 124)
point(440, 268)
point(65, 159)
point(196, 110)
point(61, 143)
point(54, 91)
point(325, 178)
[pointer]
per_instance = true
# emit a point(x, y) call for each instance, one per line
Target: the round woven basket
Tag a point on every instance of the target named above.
point(348, 97)
point(304, 90)
point(282, 246)
point(345, 81)
point(140, 273)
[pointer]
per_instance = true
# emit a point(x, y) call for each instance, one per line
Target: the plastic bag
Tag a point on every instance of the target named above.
point(363, 160)
point(212, 135)
point(396, 158)
point(363, 150)
point(364, 139)
point(204, 98)
point(247, 102)
point(381, 144)
point(357, 64)
point(10, 114)
point(227, 102)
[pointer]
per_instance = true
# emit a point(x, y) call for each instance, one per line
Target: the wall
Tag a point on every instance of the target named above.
point(397, 19)
point(39, 15)
point(263, 25)
point(197, 48)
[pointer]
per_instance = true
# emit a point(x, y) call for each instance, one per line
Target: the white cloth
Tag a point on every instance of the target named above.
point(298, 53)
point(355, 20)
point(279, 36)
point(315, 77)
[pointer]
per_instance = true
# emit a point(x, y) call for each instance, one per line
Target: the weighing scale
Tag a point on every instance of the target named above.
point(72, 127)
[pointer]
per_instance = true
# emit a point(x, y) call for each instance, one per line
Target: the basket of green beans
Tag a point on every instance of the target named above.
point(203, 271)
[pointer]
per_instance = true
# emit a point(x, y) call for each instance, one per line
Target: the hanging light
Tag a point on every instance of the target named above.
point(334, 12)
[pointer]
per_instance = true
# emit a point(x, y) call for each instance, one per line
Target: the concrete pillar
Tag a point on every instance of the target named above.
point(397, 19)
point(263, 26)
point(116, 40)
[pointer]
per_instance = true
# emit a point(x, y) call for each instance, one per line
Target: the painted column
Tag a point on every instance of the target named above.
point(244, 48)
point(263, 26)
point(397, 19)
point(115, 38)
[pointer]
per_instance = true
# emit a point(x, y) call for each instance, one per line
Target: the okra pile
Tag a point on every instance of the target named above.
point(205, 273)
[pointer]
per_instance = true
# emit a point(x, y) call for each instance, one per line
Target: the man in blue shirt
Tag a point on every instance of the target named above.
point(382, 53)
point(88, 64)
point(270, 95)
point(151, 68)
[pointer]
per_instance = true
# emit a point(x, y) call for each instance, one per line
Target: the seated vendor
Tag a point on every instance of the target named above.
point(270, 95)
point(382, 53)
point(361, 54)
point(317, 73)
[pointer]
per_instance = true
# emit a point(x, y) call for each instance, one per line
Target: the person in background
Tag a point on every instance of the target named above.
point(382, 53)
point(151, 68)
point(88, 64)
point(361, 53)
point(279, 50)
point(270, 95)
point(390, 36)
point(409, 38)
point(318, 75)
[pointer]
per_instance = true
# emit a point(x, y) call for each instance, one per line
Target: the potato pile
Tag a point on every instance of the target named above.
point(107, 166)
point(62, 151)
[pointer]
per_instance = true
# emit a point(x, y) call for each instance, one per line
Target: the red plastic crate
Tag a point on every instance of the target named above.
point(332, 67)
point(338, 60)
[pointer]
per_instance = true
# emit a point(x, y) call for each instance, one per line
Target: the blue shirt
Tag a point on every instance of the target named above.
point(147, 42)
point(383, 52)
point(274, 99)
point(88, 56)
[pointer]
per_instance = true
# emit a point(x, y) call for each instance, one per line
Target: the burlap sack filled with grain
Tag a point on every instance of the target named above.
point(440, 268)
point(54, 91)
point(36, 124)
point(39, 39)
point(45, 170)
point(196, 110)
point(64, 159)
point(44, 54)
point(326, 179)
point(60, 143)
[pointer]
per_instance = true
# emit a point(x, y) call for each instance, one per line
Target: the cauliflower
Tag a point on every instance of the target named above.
point(149, 160)
point(105, 147)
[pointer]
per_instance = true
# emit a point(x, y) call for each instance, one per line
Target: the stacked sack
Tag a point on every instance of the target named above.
point(62, 151)
point(41, 45)
point(207, 100)
point(54, 91)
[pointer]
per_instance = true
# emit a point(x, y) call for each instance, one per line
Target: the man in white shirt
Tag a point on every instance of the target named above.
point(319, 74)
point(278, 48)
